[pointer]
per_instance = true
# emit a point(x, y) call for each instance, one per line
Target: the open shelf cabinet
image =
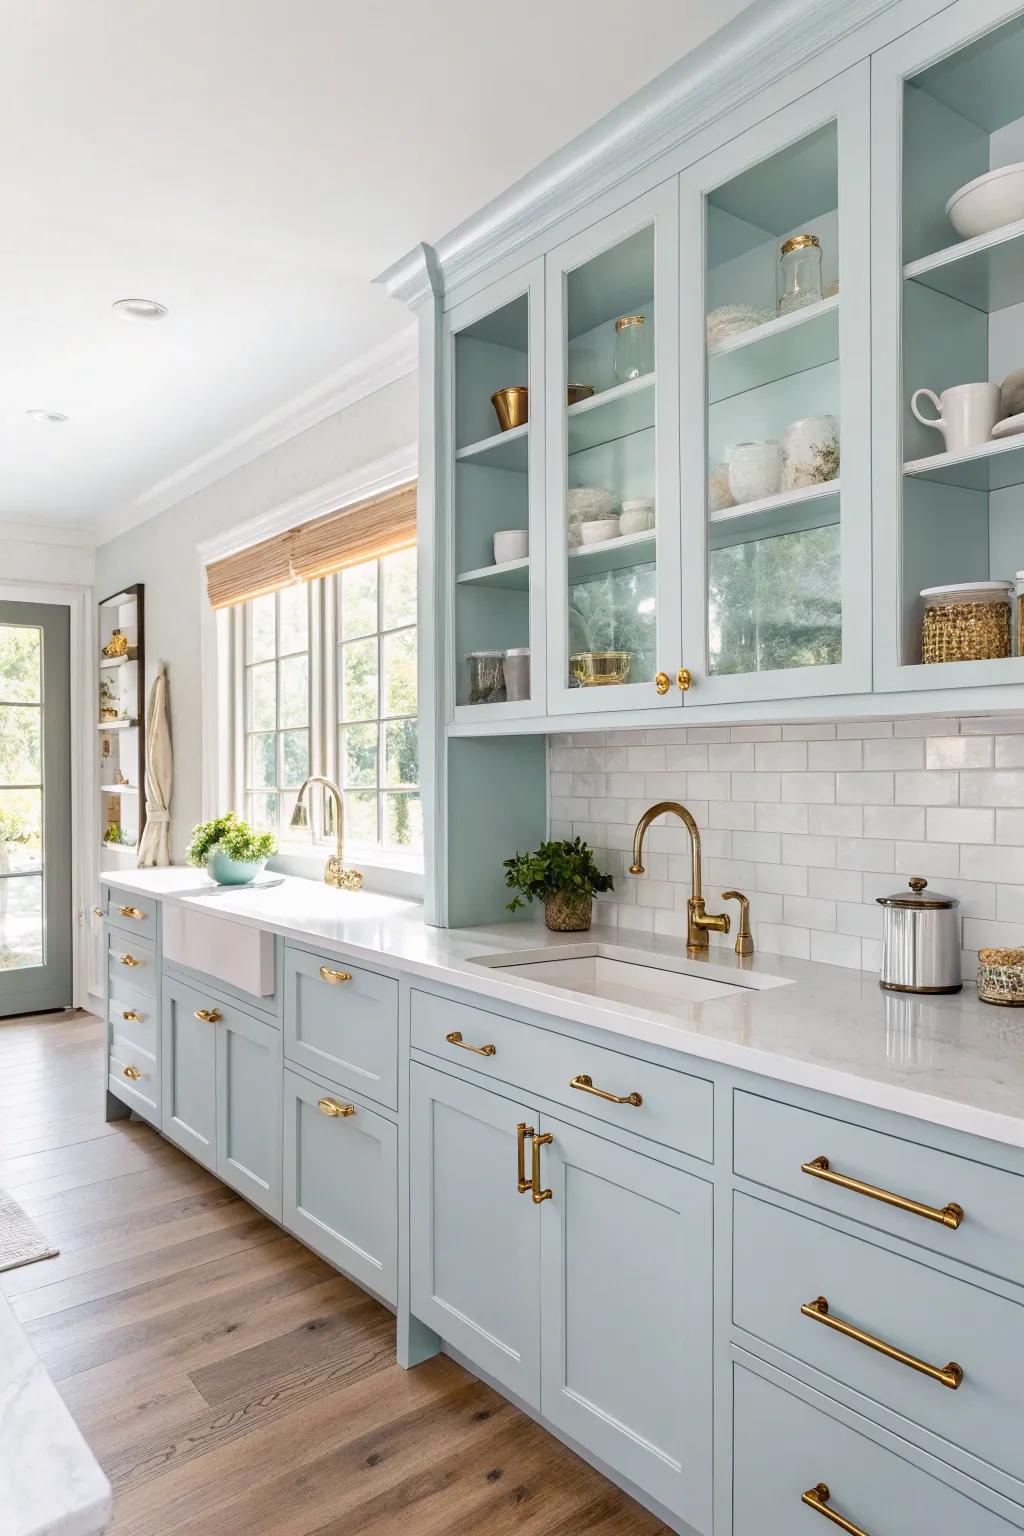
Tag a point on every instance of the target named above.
point(121, 759)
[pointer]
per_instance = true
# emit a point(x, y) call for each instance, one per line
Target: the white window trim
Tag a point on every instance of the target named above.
point(386, 870)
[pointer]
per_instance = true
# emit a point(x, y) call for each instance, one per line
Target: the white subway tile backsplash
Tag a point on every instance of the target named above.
point(814, 821)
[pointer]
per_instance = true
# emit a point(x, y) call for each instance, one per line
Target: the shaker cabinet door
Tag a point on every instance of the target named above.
point(188, 1075)
point(249, 1070)
point(626, 1308)
point(475, 1239)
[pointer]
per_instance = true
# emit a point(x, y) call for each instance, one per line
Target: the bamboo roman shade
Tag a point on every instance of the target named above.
point(364, 531)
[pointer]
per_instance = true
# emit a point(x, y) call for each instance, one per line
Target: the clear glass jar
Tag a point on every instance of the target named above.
point(486, 677)
point(1018, 591)
point(799, 273)
point(633, 348)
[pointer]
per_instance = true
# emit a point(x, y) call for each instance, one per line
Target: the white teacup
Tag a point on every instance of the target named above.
point(967, 414)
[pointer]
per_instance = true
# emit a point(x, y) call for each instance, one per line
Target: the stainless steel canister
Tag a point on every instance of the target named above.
point(920, 940)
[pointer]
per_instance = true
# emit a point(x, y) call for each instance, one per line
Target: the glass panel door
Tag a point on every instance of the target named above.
point(613, 518)
point(35, 932)
point(496, 490)
point(781, 382)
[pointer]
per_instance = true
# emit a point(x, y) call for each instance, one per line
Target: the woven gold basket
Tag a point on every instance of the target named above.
point(1001, 977)
point(965, 631)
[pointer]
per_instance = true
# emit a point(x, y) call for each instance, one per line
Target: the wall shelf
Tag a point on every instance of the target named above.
point(785, 512)
point(116, 725)
point(119, 789)
point(790, 344)
point(117, 661)
point(611, 415)
point(503, 450)
point(987, 272)
point(988, 467)
point(509, 576)
point(587, 560)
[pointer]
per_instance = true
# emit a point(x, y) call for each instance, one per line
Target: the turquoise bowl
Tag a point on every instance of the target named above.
point(232, 871)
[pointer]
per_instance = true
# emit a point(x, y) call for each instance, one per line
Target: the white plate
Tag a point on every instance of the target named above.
point(1009, 426)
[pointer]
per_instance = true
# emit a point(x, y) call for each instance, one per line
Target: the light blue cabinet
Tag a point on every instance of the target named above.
point(626, 1314)
point(341, 1023)
point(249, 1088)
point(341, 1182)
point(474, 1238)
point(189, 1072)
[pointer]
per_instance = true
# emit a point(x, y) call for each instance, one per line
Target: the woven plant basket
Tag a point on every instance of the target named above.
point(1001, 977)
point(568, 911)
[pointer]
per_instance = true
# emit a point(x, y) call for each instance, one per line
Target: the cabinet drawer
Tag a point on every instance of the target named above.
point(676, 1109)
point(134, 1021)
point(135, 914)
point(341, 1022)
point(782, 1262)
point(224, 950)
point(784, 1447)
point(142, 1092)
point(341, 1182)
point(131, 963)
point(772, 1142)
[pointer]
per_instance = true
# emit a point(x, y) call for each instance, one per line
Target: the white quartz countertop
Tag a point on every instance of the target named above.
point(50, 1482)
point(951, 1061)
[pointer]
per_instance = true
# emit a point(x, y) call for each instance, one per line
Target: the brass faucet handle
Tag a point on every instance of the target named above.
point(744, 941)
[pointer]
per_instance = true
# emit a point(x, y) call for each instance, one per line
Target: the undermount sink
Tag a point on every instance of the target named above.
point(622, 975)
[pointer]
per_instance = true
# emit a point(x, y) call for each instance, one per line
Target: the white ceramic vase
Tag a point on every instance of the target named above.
point(754, 470)
point(810, 452)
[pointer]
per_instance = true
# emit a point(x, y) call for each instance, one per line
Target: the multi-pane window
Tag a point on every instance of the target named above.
point(276, 704)
point(376, 683)
point(362, 731)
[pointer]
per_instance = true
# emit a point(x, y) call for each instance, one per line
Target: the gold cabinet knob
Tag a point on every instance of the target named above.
point(131, 1073)
point(662, 682)
point(131, 1016)
point(209, 1015)
point(130, 960)
point(97, 911)
point(684, 679)
point(132, 912)
point(335, 978)
point(334, 1109)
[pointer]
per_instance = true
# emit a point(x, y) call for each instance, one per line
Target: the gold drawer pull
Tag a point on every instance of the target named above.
point(817, 1498)
point(334, 977)
point(332, 1107)
point(586, 1085)
point(132, 912)
point(539, 1195)
point(130, 960)
point(131, 1016)
point(455, 1038)
point(950, 1375)
point(523, 1184)
point(208, 1015)
point(131, 1073)
point(950, 1215)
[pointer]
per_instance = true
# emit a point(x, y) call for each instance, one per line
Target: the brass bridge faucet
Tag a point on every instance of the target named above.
point(699, 923)
point(335, 872)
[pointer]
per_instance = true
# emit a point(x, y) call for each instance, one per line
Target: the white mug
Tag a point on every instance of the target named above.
point(967, 414)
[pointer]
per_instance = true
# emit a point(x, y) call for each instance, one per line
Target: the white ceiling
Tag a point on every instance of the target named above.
point(253, 166)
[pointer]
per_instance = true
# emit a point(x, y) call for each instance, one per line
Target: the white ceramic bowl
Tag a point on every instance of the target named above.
point(598, 531)
point(988, 202)
point(511, 544)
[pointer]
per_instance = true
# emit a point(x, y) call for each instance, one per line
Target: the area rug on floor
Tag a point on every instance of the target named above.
point(21, 1241)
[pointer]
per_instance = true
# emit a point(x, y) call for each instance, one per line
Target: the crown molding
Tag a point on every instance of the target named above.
point(374, 370)
point(71, 535)
point(758, 48)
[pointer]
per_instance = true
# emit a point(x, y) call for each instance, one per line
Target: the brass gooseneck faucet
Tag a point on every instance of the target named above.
point(698, 922)
point(335, 872)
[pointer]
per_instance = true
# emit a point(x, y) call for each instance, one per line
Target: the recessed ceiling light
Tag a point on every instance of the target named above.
point(140, 309)
point(41, 415)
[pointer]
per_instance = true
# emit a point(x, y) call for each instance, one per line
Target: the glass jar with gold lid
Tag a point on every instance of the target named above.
point(799, 273)
point(633, 351)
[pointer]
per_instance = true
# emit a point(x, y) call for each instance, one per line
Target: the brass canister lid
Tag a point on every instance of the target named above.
point(621, 324)
point(799, 242)
point(915, 897)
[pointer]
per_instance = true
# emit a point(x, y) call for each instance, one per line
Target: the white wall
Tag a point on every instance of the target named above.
point(813, 822)
point(162, 553)
point(56, 557)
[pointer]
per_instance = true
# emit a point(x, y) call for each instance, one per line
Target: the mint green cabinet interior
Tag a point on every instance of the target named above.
point(784, 1448)
point(341, 1023)
point(249, 1067)
point(626, 1314)
point(341, 1182)
point(189, 1072)
point(474, 1238)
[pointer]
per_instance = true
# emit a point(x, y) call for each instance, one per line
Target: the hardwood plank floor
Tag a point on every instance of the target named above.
point(229, 1381)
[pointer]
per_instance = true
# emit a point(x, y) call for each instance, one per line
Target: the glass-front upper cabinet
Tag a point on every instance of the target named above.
point(948, 130)
point(495, 487)
point(612, 486)
point(775, 405)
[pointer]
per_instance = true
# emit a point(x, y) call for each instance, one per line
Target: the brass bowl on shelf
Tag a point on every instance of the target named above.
point(578, 392)
point(511, 406)
point(600, 669)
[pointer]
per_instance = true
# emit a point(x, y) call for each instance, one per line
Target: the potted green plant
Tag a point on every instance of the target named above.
point(230, 851)
point(561, 874)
